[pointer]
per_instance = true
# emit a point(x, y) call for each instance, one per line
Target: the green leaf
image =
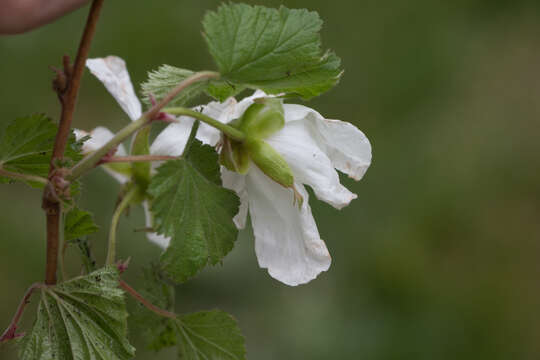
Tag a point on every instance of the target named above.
point(211, 335)
point(26, 146)
point(208, 335)
point(161, 81)
point(157, 331)
point(84, 318)
point(78, 223)
point(274, 50)
point(192, 208)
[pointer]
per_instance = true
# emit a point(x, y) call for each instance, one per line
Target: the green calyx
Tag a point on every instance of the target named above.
point(261, 119)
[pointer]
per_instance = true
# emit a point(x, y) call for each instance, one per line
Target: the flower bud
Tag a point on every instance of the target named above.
point(270, 162)
point(262, 118)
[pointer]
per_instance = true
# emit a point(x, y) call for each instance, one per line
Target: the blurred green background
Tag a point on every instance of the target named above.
point(438, 256)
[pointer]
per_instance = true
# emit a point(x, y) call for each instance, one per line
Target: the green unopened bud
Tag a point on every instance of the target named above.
point(234, 156)
point(262, 118)
point(270, 162)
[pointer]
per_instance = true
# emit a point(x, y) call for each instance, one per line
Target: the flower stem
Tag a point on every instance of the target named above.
point(137, 158)
point(25, 177)
point(126, 200)
point(95, 157)
point(228, 130)
point(67, 86)
point(145, 302)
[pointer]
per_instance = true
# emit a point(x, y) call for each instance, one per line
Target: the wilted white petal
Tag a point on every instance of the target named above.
point(347, 147)
point(112, 72)
point(172, 140)
point(99, 137)
point(287, 241)
point(309, 163)
point(242, 106)
point(222, 112)
point(237, 183)
point(160, 240)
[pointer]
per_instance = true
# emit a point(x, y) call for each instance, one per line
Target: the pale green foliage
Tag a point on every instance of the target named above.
point(78, 223)
point(84, 318)
point(26, 146)
point(161, 81)
point(274, 50)
point(192, 208)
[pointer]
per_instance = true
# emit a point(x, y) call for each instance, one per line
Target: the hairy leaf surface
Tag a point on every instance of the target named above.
point(204, 335)
point(83, 319)
point(161, 81)
point(78, 223)
point(274, 50)
point(192, 208)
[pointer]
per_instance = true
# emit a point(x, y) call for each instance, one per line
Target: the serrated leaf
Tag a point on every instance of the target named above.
point(204, 335)
point(274, 50)
point(161, 81)
point(210, 335)
point(26, 146)
point(192, 208)
point(157, 331)
point(84, 318)
point(78, 223)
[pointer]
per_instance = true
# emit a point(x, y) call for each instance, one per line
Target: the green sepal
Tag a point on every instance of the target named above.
point(270, 162)
point(234, 156)
point(262, 118)
point(141, 146)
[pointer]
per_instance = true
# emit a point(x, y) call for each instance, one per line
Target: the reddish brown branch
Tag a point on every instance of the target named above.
point(145, 302)
point(11, 331)
point(67, 85)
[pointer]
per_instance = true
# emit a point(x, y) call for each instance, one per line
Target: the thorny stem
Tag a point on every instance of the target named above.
point(25, 177)
point(67, 94)
point(95, 157)
point(145, 302)
point(137, 158)
point(126, 200)
point(11, 331)
point(228, 130)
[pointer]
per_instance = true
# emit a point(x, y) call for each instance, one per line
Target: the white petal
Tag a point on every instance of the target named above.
point(99, 137)
point(222, 112)
point(237, 183)
point(309, 163)
point(112, 72)
point(287, 241)
point(172, 140)
point(347, 147)
point(161, 240)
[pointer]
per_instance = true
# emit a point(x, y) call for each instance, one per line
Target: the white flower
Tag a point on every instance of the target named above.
point(112, 72)
point(287, 241)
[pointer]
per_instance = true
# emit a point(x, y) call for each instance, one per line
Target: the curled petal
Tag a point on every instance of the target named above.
point(172, 140)
point(309, 163)
point(112, 72)
point(346, 146)
point(99, 137)
point(160, 240)
point(222, 112)
point(287, 241)
point(237, 183)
